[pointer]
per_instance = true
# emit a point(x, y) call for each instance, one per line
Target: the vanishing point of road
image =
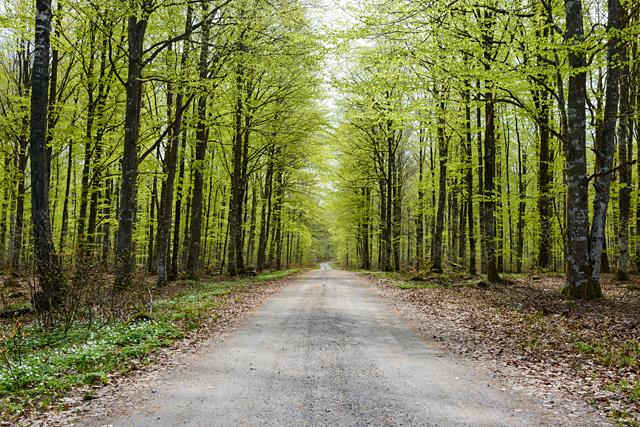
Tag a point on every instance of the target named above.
point(327, 350)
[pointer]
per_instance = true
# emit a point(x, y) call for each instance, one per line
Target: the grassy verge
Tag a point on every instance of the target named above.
point(409, 280)
point(38, 366)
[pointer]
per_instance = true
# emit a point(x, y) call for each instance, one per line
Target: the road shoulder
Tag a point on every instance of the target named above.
point(454, 336)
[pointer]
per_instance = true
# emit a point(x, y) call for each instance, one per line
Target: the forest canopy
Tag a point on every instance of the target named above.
point(187, 138)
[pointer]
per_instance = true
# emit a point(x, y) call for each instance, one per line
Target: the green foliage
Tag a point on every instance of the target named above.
point(619, 355)
point(39, 365)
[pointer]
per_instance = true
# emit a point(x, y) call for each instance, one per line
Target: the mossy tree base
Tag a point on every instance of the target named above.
point(588, 291)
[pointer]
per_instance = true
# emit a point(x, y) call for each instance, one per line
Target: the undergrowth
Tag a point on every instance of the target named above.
point(38, 365)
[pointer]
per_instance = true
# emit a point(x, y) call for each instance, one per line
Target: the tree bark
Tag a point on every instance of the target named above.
point(201, 151)
point(625, 147)
point(605, 148)
point(125, 262)
point(579, 283)
point(469, 182)
point(436, 249)
point(48, 267)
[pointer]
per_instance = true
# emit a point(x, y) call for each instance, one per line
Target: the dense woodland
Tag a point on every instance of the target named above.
point(176, 138)
point(493, 137)
point(182, 138)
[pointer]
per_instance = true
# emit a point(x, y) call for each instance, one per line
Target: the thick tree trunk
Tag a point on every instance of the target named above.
point(579, 283)
point(605, 148)
point(125, 261)
point(48, 267)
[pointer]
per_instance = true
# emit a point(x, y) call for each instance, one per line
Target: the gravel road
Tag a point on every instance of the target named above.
point(326, 350)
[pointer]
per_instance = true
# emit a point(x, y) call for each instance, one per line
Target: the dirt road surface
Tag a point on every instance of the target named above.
point(326, 350)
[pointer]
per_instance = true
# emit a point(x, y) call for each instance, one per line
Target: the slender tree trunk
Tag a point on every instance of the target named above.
point(522, 172)
point(481, 216)
point(166, 202)
point(106, 223)
point(235, 203)
point(252, 227)
point(469, 182)
point(397, 215)
point(544, 185)
point(625, 147)
point(265, 217)
point(436, 258)
point(6, 197)
point(389, 207)
point(152, 222)
point(65, 204)
point(175, 253)
point(420, 211)
point(201, 151)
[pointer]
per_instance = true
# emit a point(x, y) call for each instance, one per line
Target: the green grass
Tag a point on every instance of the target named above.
point(402, 279)
point(626, 354)
point(37, 366)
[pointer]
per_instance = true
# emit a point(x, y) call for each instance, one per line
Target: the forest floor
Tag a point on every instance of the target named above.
point(50, 365)
point(525, 329)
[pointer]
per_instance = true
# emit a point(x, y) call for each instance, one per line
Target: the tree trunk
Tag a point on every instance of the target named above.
point(252, 227)
point(201, 151)
point(544, 185)
point(175, 253)
point(489, 196)
point(48, 267)
point(265, 217)
point(436, 249)
point(152, 222)
point(522, 172)
point(605, 148)
point(235, 203)
point(625, 147)
point(579, 283)
point(420, 211)
point(469, 183)
point(481, 215)
point(125, 261)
